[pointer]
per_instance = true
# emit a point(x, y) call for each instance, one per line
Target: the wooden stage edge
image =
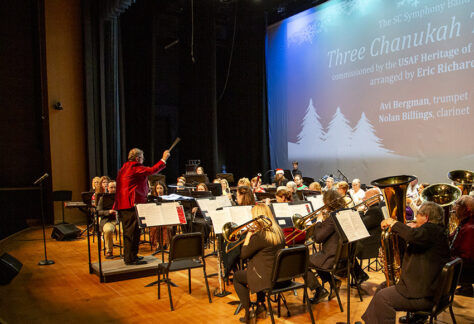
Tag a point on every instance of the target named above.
point(66, 292)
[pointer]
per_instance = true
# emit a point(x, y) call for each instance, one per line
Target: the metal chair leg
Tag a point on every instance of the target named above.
point(159, 279)
point(207, 285)
point(169, 291)
point(333, 286)
point(270, 309)
point(189, 280)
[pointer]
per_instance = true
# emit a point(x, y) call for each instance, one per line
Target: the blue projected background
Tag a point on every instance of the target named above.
point(373, 88)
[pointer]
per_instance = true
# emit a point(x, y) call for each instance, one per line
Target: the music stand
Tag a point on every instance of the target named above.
point(228, 176)
point(201, 194)
point(215, 188)
point(160, 214)
point(196, 178)
point(351, 229)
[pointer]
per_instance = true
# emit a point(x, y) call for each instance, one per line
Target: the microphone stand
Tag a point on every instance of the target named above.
point(40, 181)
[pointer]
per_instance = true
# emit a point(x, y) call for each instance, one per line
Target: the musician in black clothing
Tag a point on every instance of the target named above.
point(295, 170)
point(324, 232)
point(260, 248)
point(372, 218)
point(426, 254)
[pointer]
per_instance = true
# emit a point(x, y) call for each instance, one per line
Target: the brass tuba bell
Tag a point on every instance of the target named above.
point(395, 191)
point(463, 179)
point(444, 195)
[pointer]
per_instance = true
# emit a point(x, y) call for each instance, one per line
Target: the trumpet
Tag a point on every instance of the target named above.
point(232, 233)
point(299, 222)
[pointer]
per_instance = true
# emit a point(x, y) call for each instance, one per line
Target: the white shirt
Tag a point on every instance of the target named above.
point(358, 196)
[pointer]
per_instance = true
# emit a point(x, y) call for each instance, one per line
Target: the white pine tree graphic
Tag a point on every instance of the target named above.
point(364, 140)
point(339, 136)
point(312, 131)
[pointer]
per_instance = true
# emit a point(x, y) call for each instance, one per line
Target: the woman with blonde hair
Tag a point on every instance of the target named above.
point(260, 248)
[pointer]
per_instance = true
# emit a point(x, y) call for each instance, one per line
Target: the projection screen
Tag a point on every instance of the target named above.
point(373, 88)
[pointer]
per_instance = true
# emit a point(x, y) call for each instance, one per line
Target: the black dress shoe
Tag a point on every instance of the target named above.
point(412, 318)
point(320, 294)
point(139, 257)
point(136, 262)
point(363, 277)
point(261, 311)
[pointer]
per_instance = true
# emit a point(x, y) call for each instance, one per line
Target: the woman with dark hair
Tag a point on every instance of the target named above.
point(324, 232)
point(159, 190)
point(260, 248)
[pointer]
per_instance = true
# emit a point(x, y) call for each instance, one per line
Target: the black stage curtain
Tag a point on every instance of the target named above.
point(24, 149)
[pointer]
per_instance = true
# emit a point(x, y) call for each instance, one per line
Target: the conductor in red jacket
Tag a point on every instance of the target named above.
point(132, 188)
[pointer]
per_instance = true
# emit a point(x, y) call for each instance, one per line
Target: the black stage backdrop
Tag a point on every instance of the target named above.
point(174, 73)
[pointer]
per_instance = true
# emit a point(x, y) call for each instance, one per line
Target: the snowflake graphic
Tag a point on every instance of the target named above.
point(408, 3)
point(307, 33)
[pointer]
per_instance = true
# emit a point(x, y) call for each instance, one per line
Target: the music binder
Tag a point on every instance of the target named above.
point(234, 214)
point(159, 214)
point(209, 205)
point(283, 212)
point(349, 225)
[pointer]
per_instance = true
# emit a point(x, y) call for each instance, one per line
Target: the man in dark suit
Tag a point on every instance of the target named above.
point(132, 188)
point(372, 218)
point(426, 254)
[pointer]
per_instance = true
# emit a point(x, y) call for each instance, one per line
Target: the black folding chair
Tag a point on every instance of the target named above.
point(290, 263)
point(186, 252)
point(447, 283)
point(344, 252)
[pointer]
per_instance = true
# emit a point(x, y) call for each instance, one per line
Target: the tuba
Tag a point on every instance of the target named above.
point(394, 190)
point(444, 195)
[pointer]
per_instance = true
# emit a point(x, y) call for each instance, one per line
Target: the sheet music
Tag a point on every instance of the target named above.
point(316, 201)
point(352, 225)
point(223, 201)
point(156, 215)
point(169, 214)
point(219, 218)
point(239, 214)
point(302, 209)
point(282, 210)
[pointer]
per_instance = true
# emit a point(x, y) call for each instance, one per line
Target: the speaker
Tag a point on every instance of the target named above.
point(64, 232)
point(9, 268)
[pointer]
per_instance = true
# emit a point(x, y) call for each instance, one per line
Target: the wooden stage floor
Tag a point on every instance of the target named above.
point(66, 293)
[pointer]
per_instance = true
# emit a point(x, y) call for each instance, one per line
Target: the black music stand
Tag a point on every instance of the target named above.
point(215, 188)
point(343, 230)
point(196, 178)
point(142, 224)
point(41, 181)
point(228, 176)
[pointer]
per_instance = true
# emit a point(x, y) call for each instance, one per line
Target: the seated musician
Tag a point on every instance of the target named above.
point(256, 186)
point(292, 187)
point(180, 183)
point(284, 196)
point(315, 186)
point(108, 220)
point(200, 223)
point(200, 170)
point(329, 183)
point(343, 188)
point(324, 232)
point(371, 218)
point(299, 183)
point(95, 183)
point(159, 190)
point(356, 192)
point(279, 179)
point(245, 197)
point(462, 243)
point(100, 188)
point(426, 253)
point(260, 248)
point(243, 182)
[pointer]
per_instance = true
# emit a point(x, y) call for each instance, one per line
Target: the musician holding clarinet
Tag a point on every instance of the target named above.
point(260, 247)
point(132, 188)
